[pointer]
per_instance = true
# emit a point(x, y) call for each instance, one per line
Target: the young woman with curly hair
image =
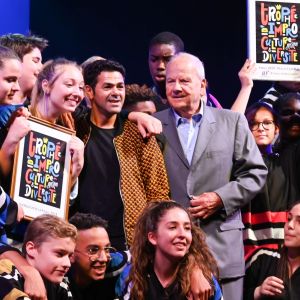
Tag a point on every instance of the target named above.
point(166, 248)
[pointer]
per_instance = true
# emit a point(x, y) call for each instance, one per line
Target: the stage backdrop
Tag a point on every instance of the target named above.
point(14, 16)
point(121, 30)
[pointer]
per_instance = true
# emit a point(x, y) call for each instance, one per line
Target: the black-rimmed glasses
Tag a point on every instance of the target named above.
point(266, 124)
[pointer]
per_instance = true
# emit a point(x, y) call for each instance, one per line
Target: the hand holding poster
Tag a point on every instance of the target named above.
point(42, 170)
point(273, 39)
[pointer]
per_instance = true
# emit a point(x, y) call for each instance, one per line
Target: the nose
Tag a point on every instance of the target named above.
point(102, 256)
point(39, 66)
point(260, 127)
point(16, 86)
point(78, 91)
point(116, 92)
point(177, 86)
point(291, 224)
point(161, 65)
point(66, 262)
point(181, 231)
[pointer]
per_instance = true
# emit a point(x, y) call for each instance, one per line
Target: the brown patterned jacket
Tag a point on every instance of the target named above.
point(143, 175)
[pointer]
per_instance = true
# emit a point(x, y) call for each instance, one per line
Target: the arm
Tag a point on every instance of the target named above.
point(200, 287)
point(34, 285)
point(11, 282)
point(153, 171)
point(245, 75)
point(10, 211)
point(18, 129)
point(248, 173)
point(77, 158)
point(147, 125)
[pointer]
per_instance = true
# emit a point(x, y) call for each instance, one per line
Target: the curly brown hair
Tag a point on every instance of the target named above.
point(143, 251)
point(136, 93)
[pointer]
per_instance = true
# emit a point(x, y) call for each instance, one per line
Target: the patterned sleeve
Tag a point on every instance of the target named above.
point(11, 282)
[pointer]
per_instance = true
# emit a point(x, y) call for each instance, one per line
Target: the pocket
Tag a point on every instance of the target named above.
point(231, 225)
point(233, 222)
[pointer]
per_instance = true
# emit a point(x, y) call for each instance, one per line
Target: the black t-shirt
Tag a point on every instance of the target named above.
point(101, 289)
point(158, 292)
point(99, 190)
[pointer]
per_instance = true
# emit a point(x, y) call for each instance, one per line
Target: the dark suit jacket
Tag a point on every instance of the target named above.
point(227, 161)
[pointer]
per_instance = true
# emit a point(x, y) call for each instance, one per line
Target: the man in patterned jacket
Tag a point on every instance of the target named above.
point(122, 171)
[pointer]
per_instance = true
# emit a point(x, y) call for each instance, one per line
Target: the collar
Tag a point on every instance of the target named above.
point(195, 118)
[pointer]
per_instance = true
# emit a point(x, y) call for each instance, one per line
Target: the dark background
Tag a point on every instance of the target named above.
point(215, 31)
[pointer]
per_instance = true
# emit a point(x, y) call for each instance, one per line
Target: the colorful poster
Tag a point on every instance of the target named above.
point(41, 170)
point(273, 37)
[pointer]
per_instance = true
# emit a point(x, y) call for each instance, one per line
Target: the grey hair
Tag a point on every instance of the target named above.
point(194, 60)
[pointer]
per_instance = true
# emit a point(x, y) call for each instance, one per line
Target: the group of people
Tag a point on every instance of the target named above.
point(170, 193)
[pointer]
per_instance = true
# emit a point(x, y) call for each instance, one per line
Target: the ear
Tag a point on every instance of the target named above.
point(152, 238)
point(72, 258)
point(45, 86)
point(89, 92)
point(276, 129)
point(203, 87)
point(31, 249)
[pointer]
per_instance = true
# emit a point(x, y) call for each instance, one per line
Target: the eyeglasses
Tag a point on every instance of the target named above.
point(266, 124)
point(95, 252)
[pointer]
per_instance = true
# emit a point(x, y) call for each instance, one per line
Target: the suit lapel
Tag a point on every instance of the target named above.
point(206, 131)
point(170, 132)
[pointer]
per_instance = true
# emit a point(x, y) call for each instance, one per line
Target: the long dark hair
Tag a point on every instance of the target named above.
point(143, 251)
point(283, 268)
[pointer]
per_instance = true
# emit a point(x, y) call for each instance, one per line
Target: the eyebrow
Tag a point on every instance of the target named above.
point(294, 216)
point(94, 245)
point(176, 222)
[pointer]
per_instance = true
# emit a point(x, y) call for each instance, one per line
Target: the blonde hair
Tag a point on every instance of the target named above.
point(50, 72)
point(45, 226)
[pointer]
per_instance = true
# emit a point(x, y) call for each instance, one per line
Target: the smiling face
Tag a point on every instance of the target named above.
point(184, 85)
point(290, 119)
point(87, 270)
point(9, 75)
point(52, 257)
point(109, 94)
point(292, 228)
point(173, 236)
point(66, 92)
point(31, 66)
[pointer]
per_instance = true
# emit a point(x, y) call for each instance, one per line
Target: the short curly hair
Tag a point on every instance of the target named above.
point(136, 93)
point(83, 221)
point(169, 38)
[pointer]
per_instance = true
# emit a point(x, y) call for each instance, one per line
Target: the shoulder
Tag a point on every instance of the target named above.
point(263, 255)
point(61, 291)
point(225, 116)
point(163, 114)
point(11, 281)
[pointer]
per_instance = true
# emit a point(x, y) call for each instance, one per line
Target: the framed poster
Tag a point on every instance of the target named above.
point(273, 39)
point(41, 172)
